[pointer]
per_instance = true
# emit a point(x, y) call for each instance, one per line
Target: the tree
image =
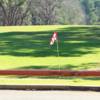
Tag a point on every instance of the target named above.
point(44, 11)
point(91, 10)
point(57, 12)
point(49, 12)
point(71, 12)
point(97, 7)
point(14, 12)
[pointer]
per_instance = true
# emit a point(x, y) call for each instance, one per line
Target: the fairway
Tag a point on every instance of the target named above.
point(27, 47)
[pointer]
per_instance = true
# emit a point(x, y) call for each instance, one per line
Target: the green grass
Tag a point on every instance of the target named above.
point(71, 81)
point(27, 47)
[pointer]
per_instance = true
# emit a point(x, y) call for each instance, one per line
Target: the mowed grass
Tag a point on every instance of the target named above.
point(40, 81)
point(27, 47)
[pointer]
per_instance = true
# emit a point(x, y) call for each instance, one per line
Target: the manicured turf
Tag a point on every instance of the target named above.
point(27, 47)
point(57, 81)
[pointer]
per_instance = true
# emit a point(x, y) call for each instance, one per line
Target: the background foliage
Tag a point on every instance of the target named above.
point(47, 12)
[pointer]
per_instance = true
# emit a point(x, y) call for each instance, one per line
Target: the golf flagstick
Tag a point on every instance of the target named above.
point(58, 54)
point(53, 39)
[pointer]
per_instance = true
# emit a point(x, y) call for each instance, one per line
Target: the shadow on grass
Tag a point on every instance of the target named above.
point(84, 66)
point(73, 41)
point(32, 67)
point(66, 67)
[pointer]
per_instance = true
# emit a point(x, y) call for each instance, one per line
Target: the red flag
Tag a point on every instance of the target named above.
point(54, 37)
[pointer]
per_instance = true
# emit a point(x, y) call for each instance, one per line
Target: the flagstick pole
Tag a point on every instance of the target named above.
point(58, 53)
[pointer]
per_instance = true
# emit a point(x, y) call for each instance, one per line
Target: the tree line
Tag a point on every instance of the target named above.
point(49, 12)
